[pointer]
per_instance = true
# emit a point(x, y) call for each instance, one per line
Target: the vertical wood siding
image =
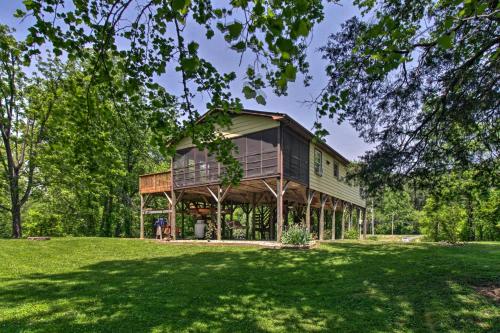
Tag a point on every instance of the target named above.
point(329, 184)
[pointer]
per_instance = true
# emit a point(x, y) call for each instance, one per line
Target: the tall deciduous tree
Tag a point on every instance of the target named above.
point(421, 80)
point(25, 109)
point(152, 36)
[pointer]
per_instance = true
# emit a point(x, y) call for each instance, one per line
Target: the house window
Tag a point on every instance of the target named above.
point(318, 162)
point(336, 170)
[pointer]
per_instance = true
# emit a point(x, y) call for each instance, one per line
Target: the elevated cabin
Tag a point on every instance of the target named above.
point(284, 169)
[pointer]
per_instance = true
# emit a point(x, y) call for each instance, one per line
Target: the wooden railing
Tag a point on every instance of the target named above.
point(155, 183)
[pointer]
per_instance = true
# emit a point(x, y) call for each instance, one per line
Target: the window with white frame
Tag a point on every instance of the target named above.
point(318, 162)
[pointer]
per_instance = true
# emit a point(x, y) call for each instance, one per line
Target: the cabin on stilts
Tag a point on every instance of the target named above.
point(287, 176)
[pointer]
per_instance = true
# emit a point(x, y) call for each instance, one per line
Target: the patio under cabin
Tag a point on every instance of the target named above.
point(287, 178)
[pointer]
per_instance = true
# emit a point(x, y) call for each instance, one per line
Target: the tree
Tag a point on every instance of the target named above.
point(461, 207)
point(26, 105)
point(90, 168)
point(421, 80)
point(394, 212)
point(151, 36)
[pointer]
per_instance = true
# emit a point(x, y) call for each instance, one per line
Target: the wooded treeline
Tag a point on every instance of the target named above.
point(418, 80)
point(458, 207)
point(72, 151)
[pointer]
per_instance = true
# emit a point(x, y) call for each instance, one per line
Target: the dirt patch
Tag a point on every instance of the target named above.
point(491, 291)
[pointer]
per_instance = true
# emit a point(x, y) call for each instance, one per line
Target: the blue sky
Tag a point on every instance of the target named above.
point(342, 138)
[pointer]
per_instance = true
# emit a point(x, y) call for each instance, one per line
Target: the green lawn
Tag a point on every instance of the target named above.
point(113, 285)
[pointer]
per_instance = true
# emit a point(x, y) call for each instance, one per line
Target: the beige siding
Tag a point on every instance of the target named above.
point(329, 184)
point(242, 124)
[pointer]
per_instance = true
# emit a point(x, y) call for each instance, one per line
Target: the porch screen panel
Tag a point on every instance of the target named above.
point(269, 140)
point(253, 155)
point(256, 152)
point(295, 156)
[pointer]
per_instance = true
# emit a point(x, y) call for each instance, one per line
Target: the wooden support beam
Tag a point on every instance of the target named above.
point(216, 197)
point(142, 217)
point(219, 218)
point(173, 215)
point(360, 224)
point(270, 188)
point(323, 200)
point(219, 197)
point(342, 234)
point(310, 196)
point(157, 211)
point(254, 214)
point(364, 223)
point(335, 202)
point(168, 197)
point(285, 187)
point(279, 208)
point(349, 226)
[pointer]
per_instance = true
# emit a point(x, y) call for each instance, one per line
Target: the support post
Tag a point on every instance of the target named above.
point(342, 236)
point(349, 225)
point(365, 227)
point(219, 219)
point(360, 224)
point(309, 198)
point(254, 214)
point(333, 218)
point(279, 209)
point(173, 215)
point(219, 197)
point(142, 217)
point(173, 201)
point(182, 219)
point(323, 199)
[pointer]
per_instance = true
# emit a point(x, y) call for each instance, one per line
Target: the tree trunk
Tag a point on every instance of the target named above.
point(470, 220)
point(392, 225)
point(17, 231)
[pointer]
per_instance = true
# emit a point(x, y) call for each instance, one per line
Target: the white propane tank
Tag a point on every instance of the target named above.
point(199, 229)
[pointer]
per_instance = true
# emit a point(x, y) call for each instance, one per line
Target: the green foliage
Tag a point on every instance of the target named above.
point(395, 206)
point(419, 92)
point(210, 230)
point(351, 234)
point(150, 36)
point(296, 235)
point(461, 208)
point(442, 222)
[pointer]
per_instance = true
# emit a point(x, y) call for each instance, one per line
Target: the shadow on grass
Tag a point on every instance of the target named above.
point(346, 287)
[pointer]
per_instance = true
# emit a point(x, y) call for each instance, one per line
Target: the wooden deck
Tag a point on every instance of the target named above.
point(155, 183)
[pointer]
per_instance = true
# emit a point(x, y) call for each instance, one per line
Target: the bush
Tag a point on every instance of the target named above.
point(351, 234)
point(210, 230)
point(296, 235)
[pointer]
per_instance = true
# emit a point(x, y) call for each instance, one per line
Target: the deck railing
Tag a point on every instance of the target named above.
point(155, 183)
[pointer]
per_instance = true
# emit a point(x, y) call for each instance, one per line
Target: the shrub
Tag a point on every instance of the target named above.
point(210, 230)
point(296, 235)
point(351, 234)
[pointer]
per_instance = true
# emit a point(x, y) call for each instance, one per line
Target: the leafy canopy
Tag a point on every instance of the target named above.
point(421, 81)
point(151, 36)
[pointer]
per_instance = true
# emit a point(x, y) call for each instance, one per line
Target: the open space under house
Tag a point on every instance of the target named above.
point(288, 178)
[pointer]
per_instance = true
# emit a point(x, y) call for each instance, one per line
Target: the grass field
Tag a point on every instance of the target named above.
point(113, 285)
